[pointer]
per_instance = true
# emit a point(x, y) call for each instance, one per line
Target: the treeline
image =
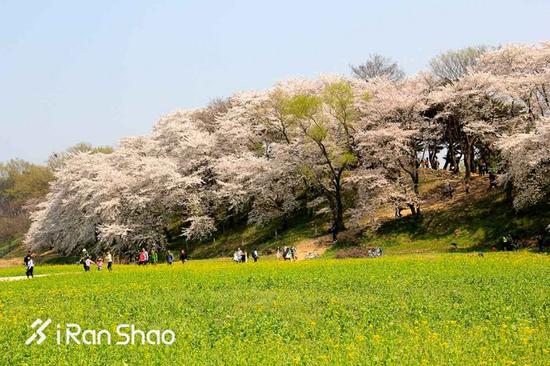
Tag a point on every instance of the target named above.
point(22, 186)
point(337, 147)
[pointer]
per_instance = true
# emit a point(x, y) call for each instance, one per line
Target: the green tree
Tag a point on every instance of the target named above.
point(326, 125)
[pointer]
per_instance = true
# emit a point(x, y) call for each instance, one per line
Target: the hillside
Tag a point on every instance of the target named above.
point(473, 221)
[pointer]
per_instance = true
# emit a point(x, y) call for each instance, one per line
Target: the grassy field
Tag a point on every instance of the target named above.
point(451, 309)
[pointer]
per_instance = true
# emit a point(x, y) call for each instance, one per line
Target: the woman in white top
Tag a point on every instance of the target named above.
point(30, 267)
point(109, 260)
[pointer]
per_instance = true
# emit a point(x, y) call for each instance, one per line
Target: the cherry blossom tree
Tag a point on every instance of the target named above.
point(526, 163)
point(335, 146)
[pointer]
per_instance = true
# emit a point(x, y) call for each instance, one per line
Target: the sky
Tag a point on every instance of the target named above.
point(96, 71)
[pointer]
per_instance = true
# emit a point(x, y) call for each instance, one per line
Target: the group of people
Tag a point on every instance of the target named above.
point(145, 257)
point(152, 257)
point(287, 253)
point(170, 257)
point(509, 243)
point(87, 262)
point(482, 167)
point(241, 256)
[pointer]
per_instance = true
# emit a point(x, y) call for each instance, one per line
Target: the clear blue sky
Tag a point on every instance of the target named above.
point(96, 71)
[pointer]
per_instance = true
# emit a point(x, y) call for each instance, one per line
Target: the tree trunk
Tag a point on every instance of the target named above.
point(412, 207)
point(338, 215)
point(467, 165)
point(468, 156)
point(472, 160)
point(432, 156)
point(447, 159)
point(285, 222)
point(415, 209)
point(337, 207)
point(167, 235)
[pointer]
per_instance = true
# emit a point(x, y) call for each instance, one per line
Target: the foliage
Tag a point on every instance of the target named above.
point(527, 159)
point(22, 184)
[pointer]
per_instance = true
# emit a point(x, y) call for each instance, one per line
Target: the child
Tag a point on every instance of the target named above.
point(99, 264)
point(30, 267)
point(142, 257)
point(87, 264)
point(169, 258)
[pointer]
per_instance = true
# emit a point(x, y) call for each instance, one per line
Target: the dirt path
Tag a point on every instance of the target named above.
point(316, 245)
point(12, 262)
point(19, 278)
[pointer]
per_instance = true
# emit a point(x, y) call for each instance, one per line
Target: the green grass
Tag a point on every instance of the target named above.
point(261, 237)
point(476, 225)
point(439, 309)
point(11, 248)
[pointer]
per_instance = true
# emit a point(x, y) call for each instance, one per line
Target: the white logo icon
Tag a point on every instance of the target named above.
point(38, 333)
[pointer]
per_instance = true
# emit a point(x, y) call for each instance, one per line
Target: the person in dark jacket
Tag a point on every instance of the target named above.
point(183, 256)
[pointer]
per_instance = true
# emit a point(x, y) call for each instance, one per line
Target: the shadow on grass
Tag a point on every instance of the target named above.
point(474, 226)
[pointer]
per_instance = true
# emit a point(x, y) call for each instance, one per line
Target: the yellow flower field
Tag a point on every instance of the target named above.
point(438, 309)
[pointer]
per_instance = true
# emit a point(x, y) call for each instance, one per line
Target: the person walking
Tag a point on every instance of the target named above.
point(183, 256)
point(109, 260)
point(142, 257)
point(255, 255)
point(154, 256)
point(449, 189)
point(27, 257)
point(240, 255)
point(99, 264)
point(87, 264)
point(287, 254)
point(83, 258)
point(169, 258)
point(540, 242)
point(30, 266)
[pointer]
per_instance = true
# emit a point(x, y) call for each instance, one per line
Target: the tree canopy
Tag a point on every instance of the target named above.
point(335, 146)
